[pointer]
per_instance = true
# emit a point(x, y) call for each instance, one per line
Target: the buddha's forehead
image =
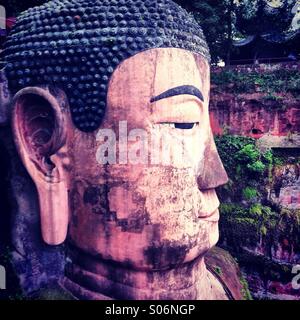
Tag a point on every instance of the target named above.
point(152, 72)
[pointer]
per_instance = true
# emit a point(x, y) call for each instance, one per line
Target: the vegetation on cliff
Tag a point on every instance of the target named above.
point(275, 84)
point(262, 235)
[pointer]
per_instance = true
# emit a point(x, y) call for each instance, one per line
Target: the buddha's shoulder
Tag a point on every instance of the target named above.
point(225, 276)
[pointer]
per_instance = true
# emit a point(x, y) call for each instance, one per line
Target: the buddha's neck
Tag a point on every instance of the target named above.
point(91, 278)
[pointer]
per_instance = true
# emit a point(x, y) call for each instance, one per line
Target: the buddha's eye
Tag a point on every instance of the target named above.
point(180, 125)
point(186, 125)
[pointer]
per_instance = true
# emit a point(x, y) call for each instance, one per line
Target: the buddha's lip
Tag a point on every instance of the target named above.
point(212, 217)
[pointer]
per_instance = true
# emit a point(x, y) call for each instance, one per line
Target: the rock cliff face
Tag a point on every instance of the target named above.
point(255, 114)
point(267, 251)
point(256, 101)
point(252, 115)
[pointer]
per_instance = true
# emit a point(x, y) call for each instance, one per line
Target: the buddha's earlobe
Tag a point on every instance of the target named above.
point(40, 125)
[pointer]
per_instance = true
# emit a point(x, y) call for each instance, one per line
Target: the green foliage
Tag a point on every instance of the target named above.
point(242, 159)
point(245, 289)
point(224, 78)
point(277, 81)
point(293, 86)
point(248, 222)
point(268, 157)
point(228, 147)
point(274, 100)
point(256, 209)
point(233, 209)
point(256, 167)
point(248, 153)
point(216, 17)
point(249, 193)
point(252, 19)
point(243, 227)
point(278, 161)
point(263, 230)
point(249, 171)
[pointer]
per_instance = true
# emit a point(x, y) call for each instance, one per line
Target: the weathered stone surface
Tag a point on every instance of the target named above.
point(290, 143)
point(33, 262)
point(226, 269)
point(286, 186)
point(250, 116)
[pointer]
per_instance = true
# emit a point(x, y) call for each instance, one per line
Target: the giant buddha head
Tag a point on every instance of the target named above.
point(110, 118)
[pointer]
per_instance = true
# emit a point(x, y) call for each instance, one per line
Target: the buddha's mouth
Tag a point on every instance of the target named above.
point(212, 217)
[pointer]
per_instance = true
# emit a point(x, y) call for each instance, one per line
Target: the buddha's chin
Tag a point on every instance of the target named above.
point(143, 254)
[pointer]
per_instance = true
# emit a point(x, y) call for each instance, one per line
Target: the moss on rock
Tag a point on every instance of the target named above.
point(263, 236)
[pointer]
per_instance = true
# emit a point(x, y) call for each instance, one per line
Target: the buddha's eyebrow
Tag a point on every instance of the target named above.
point(191, 90)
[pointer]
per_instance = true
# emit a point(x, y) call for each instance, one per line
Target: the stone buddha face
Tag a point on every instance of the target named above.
point(122, 155)
point(152, 205)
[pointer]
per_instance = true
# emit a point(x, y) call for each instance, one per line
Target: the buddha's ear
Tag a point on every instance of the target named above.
point(40, 125)
point(213, 174)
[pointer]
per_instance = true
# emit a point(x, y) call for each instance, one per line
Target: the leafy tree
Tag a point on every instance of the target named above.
point(221, 20)
point(224, 20)
point(258, 17)
point(216, 18)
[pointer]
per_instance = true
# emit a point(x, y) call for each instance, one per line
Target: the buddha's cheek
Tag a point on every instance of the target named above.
point(151, 221)
point(173, 203)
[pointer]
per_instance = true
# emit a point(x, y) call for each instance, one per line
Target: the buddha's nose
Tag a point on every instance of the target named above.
point(213, 173)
